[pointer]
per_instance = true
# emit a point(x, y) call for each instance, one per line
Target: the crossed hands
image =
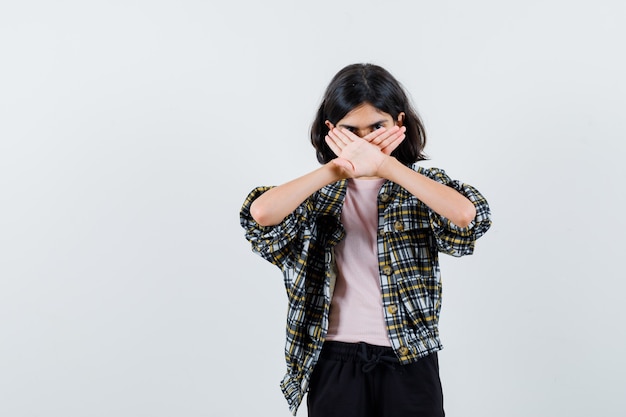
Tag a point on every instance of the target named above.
point(362, 157)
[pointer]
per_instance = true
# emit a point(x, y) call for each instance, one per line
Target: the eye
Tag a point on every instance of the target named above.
point(351, 129)
point(378, 126)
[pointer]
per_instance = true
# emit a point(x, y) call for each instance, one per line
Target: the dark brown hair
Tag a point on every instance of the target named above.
point(357, 84)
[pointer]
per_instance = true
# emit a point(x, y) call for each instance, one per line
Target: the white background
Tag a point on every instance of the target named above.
point(131, 132)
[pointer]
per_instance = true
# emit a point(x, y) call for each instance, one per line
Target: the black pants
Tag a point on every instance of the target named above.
point(361, 380)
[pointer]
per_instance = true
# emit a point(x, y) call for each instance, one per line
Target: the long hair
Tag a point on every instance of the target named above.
point(357, 84)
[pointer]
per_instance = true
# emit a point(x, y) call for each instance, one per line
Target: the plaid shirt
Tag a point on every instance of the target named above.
point(410, 235)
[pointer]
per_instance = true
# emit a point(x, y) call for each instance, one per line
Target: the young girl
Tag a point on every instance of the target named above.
point(357, 241)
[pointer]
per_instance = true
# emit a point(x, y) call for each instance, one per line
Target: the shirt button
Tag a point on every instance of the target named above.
point(387, 270)
point(398, 225)
point(392, 309)
point(403, 351)
point(384, 197)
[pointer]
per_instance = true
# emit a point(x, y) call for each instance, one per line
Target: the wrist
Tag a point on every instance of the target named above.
point(334, 171)
point(385, 169)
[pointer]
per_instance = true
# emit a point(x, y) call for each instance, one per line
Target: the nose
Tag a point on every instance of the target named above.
point(362, 132)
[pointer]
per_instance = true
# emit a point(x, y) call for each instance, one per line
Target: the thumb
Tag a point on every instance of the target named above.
point(344, 163)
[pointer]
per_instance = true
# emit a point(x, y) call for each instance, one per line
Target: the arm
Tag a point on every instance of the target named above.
point(275, 204)
point(443, 200)
point(370, 157)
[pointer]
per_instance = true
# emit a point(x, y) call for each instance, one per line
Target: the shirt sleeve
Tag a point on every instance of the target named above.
point(452, 239)
point(274, 243)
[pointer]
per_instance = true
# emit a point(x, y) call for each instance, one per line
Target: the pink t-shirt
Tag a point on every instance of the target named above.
point(356, 311)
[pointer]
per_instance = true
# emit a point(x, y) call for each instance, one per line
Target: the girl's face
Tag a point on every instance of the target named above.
point(364, 119)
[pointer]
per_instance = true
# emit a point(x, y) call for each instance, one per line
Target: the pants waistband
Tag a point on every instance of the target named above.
point(368, 355)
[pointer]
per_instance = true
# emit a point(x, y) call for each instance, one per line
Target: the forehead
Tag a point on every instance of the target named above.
point(365, 115)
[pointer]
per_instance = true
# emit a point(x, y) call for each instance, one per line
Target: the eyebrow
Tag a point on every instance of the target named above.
point(380, 122)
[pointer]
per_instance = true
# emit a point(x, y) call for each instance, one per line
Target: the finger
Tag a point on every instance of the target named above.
point(332, 144)
point(391, 146)
point(374, 134)
point(346, 135)
point(394, 133)
point(388, 133)
point(338, 139)
point(391, 139)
